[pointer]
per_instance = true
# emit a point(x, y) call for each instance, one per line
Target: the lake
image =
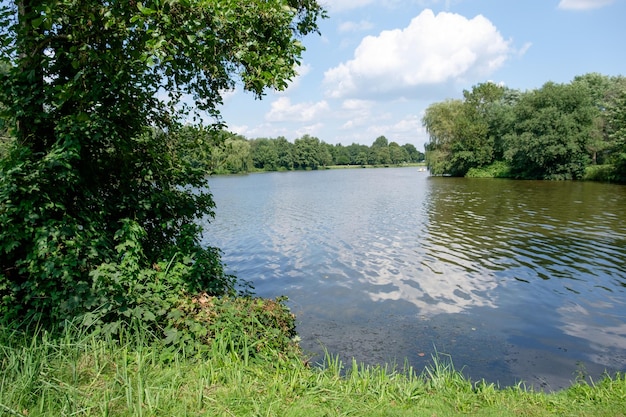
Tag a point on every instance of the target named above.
point(515, 280)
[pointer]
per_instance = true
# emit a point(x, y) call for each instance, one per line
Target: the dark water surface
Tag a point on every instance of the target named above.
point(516, 280)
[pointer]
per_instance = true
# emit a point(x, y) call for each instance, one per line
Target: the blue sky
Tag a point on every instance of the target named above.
point(379, 64)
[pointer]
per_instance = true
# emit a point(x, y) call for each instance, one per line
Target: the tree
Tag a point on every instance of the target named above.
point(237, 155)
point(476, 145)
point(310, 152)
point(358, 153)
point(380, 142)
point(597, 87)
point(551, 133)
point(501, 119)
point(397, 153)
point(264, 154)
point(616, 127)
point(285, 151)
point(379, 152)
point(441, 123)
point(341, 155)
point(459, 131)
point(95, 198)
point(413, 153)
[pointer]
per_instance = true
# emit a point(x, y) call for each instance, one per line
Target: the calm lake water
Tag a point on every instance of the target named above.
point(515, 280)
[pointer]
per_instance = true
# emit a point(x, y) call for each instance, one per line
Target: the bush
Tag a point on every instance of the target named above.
point(498, 169)
point(253, 327)
point(603, 173)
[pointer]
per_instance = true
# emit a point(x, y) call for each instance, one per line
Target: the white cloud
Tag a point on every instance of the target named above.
point(309, 130)
point(355, 114)
point(363, 121)
point(283, 110)
point(432, 50)
point(405, 130)
point(358, 105)
point(355, 26)
point(522, 51)
point(583, 4)
point(239, 129)
point(263, 130)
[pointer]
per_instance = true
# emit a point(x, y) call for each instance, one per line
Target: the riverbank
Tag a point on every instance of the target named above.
point(500, 169)
point(87, 375)
point(420, 165)
point(404, 165)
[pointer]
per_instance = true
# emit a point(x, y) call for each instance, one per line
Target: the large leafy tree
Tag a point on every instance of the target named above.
point(478, 144)
point(96, 200)
point(264, 154)
point(616, 127)
point(397, 153)
point(550, 137)
point(310, 152)
point(598, 88)
point(414, 154)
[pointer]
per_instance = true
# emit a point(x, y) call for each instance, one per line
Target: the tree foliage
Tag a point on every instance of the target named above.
point(616, 127)
point(306, 152)
point(99, 200)
point(554, 132)
point(441, 123)
point(551, 133)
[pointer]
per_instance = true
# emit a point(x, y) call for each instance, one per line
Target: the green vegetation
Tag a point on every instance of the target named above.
point(99, 198)
point(83, 374)
point(558, 132)
point(225, 153)
point(109, 306)
point(603, 173)
point(498, 169)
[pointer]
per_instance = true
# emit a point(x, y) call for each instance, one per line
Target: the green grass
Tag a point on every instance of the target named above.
point(82, 374)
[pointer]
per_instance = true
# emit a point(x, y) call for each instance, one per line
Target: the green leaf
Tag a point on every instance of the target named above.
point(145, 10)
point(36, 22)
point(171, 335)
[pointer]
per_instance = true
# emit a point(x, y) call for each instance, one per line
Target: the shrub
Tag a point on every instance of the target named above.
point(603, 173)
point(498, 169)
point(253, 327)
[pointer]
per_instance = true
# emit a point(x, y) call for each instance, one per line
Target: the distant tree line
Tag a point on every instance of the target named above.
point(222, 152)
point(559, 131)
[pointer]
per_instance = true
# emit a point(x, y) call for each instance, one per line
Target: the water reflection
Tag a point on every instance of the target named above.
point(385, 264)
point(555, 250)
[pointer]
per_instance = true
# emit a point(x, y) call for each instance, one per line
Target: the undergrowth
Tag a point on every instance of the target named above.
point(498, 169)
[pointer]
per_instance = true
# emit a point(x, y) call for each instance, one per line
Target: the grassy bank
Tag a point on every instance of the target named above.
point(500, 169)
point(85, 374)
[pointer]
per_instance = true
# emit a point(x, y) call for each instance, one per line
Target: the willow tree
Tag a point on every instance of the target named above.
point(459, 130)
point(96, 203)
point(441, 123)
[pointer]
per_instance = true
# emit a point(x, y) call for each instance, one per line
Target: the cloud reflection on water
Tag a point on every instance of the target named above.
point(377, 252)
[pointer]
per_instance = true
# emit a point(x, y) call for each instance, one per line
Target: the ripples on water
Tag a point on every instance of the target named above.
point(515, 279)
